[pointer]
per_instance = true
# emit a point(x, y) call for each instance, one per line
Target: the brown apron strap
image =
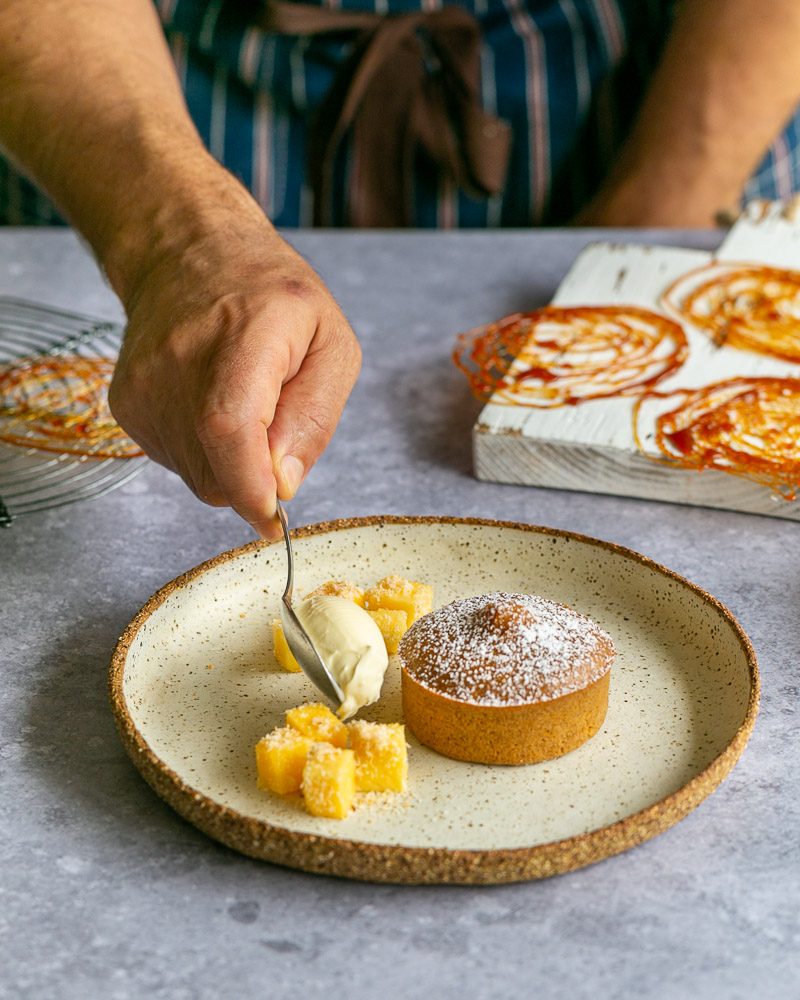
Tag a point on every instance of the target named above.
point(411, 82)
point(284, 17)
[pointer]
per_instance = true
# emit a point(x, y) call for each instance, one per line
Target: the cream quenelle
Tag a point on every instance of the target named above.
point(350, 645)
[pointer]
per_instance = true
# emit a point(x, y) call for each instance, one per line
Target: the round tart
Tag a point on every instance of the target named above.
point(505, 679)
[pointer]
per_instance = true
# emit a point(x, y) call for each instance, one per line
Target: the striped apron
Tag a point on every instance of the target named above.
point(559, 82)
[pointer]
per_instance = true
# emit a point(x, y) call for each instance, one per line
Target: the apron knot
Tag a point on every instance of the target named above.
point(409, 85)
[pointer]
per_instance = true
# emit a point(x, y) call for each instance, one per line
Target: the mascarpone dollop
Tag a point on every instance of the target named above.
point(350, 645)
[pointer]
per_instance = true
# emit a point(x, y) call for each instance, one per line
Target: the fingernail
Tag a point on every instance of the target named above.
point(292, 472)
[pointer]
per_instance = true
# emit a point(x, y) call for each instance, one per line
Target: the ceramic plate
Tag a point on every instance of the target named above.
point(194, 685)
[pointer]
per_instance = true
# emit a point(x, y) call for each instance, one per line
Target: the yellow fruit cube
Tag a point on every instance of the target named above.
point(280, 759)
point(381, 756)
point(396, 594)
point(339, 588)
point(393, 625)
point(329, 781)
point(283, 654)
point(318, 723)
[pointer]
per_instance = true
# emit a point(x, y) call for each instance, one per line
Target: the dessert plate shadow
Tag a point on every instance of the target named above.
point(194, 685)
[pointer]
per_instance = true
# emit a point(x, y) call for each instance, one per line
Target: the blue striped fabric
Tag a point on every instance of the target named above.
point(567, 75)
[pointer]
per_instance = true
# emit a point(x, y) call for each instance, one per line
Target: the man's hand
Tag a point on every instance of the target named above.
point(235, 367)
point(237, 361)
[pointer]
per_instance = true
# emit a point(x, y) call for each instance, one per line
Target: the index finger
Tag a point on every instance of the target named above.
point(238, 453)
point(242, 385)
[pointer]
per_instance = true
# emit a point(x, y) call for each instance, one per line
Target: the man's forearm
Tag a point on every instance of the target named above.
point(727, 83)
point(236, 361)
point(91, 109)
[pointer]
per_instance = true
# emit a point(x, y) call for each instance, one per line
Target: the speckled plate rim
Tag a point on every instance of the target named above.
point(420, 865)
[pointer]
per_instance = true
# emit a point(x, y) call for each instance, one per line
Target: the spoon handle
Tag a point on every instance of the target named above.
point(287, 594)
point(298, 639)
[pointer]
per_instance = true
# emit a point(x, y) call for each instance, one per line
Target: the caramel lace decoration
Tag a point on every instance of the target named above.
point(563, 356)
point(747, 307)
point(749, 427)
point(59, 403)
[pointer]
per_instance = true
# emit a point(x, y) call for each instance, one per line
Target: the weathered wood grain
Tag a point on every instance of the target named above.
point(591, 446)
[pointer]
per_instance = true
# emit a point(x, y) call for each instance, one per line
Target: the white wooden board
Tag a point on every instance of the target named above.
point(590, 446)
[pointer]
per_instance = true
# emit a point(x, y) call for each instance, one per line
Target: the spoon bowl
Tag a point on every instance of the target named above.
point(297, 638)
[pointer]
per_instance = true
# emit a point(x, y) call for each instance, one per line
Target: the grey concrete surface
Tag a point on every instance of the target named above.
point(107, 893)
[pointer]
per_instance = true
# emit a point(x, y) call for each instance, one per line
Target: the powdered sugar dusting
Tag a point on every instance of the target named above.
point(285, 736)
point(505, 649)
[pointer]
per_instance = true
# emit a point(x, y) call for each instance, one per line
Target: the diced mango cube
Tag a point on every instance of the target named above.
point(318, 723)
point(329, 781)
point(396, 594)
point(393, 625)
point(381, 756)
point(283, 654)
point(280, 759)
point(339, 588)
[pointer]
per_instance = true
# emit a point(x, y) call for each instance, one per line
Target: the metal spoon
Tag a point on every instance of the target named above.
point(298, 639)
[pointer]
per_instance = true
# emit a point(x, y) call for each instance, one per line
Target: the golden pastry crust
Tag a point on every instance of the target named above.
point(505, 679)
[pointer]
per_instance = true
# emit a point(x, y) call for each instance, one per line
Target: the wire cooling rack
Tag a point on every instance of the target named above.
point(32, 479)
